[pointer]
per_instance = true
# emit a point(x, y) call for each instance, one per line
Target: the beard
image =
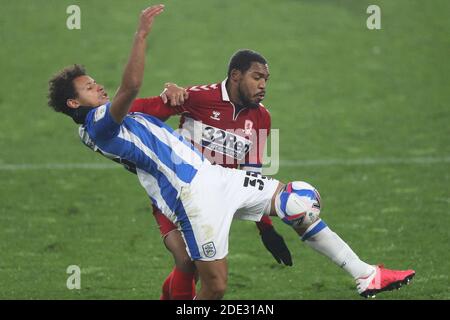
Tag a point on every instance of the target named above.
point(246, 102)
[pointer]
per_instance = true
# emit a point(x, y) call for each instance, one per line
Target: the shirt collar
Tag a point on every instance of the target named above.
point(225, 96)
point(79, 114)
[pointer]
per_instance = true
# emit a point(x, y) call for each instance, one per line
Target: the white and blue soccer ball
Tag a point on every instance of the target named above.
point(299, 203)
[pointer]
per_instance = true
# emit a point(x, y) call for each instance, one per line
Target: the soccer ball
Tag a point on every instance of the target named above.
point(299, 203)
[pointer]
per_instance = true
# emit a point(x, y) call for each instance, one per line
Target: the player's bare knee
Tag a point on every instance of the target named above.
point(213, 277)
point(175, 244)
point(216, 288)
point(184, 263)
point(301, 229)
point(182, 259)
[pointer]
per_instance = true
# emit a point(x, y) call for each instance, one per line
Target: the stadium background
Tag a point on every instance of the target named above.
point(363, 115)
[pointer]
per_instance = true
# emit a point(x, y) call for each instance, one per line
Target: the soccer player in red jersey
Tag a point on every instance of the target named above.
point(228, 123)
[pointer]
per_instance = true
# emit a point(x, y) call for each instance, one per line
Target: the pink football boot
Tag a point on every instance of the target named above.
point(383, 279)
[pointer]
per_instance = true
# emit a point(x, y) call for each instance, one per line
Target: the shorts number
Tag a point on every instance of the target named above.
point(253, 178)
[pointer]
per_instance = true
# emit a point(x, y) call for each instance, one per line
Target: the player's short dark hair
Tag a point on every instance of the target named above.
point(61, 88)
point(242, 60)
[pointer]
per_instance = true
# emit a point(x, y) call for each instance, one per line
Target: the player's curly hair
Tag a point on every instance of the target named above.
point(61, 88)
point(242, 60)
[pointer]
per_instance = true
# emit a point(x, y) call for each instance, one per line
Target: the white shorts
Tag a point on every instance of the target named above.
point(215, 196)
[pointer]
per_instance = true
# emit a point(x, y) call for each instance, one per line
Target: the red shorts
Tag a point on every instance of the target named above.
point(164, 224)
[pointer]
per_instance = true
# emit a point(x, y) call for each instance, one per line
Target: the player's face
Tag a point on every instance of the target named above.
point(252, 85)
point(90, 93)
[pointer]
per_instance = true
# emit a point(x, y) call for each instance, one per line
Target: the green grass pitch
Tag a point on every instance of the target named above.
point(363, 115)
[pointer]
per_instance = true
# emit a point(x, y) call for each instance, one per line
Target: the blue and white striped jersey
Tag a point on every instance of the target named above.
point(163, 159)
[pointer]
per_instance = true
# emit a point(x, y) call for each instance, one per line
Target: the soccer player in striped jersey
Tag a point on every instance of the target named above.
point(228, 124)
point(201, 198)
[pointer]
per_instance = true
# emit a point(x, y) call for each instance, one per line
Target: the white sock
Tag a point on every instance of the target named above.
point(319, 237)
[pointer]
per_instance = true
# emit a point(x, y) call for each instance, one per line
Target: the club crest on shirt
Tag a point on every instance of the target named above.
point(209, 249)
point(248, 126)
point(215, 115)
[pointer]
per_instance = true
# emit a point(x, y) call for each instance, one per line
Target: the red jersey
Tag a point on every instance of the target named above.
point(209, 119)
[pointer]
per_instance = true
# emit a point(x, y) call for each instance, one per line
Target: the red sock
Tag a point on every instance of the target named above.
point(166, 287)
point(182, 286)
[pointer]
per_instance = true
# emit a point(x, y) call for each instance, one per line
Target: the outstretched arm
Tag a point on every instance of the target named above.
point(134, 70)
point(159, 106)
point(174, 94)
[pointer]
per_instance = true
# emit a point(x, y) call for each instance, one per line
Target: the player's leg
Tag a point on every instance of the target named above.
point(317, 235)
point(213, 279)
point(205, 214)
point(369, 279)
point(322, 239)
point(250, 194)
point(182, 277)
point(175, 244)
point(180, 283)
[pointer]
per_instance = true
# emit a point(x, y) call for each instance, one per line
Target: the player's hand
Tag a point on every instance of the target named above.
point(174, 94)
point(146, 19)
point(276, 246)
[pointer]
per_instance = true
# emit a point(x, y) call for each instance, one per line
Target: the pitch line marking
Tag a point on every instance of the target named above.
point(57, 166)
point(283, 163)
point(365, 161)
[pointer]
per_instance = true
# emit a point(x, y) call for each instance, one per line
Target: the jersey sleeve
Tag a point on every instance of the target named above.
point(100, 124)
point(155, 106)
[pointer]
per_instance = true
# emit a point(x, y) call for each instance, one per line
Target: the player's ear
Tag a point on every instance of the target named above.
point(72, 103)
point(235, 74)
